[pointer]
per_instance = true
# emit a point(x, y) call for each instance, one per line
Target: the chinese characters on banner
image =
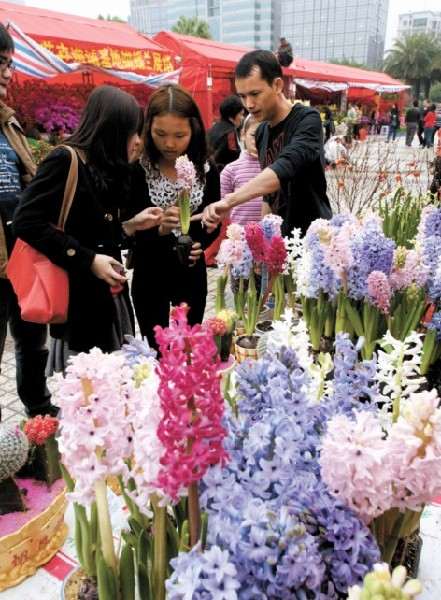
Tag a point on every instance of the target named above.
point(112, 58)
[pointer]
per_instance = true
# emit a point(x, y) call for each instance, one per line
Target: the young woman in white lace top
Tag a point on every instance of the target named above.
point(173, 127)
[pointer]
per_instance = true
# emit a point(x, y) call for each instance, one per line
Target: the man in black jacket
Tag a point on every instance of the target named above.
point(290, 146)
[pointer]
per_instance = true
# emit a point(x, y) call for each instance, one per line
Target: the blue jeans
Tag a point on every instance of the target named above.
point(429, 133)
point(30, 353)
point(392, 133)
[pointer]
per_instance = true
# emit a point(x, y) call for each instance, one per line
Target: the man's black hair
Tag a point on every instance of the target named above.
point(416, 103)
point(6, 41)
point(230, 107)
point(265, 60)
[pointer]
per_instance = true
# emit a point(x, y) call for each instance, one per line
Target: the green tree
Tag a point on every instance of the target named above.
point(192, 26)
point(435, 93)
point(416, 59)
point(110, 18)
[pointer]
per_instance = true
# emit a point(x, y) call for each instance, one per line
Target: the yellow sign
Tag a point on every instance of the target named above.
point(112, 58)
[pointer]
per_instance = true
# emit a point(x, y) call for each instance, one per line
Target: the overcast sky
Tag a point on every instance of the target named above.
point(120, 8)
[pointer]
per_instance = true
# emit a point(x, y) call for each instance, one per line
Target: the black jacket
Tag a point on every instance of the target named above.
point(297, 160)
point(93, 227)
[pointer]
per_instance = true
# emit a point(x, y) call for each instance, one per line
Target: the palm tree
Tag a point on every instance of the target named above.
point(412, 59)
point(192, 26)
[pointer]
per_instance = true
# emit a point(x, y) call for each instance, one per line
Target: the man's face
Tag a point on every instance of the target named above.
point(258, 96)
point(5, 72)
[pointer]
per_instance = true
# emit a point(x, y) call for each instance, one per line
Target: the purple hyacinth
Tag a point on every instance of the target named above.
point(321, 277)
point(372, 251)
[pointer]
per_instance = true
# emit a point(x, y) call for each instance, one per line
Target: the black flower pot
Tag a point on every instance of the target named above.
point(184, 244)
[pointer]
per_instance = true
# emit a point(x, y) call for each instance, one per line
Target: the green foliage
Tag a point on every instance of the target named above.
point(435, 92)
point(192, 26)
point(417, 60)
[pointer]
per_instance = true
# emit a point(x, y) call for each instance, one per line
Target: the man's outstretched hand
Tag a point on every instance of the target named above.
point(215, 213)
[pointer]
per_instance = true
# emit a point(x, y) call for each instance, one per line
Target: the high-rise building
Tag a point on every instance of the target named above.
point(427, 21)
point(336, 29)
point(253, 23)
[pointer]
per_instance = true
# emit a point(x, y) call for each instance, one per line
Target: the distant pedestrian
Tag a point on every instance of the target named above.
point(413, 116)
point(429, 126)
point(394, 123)
point(328, 123)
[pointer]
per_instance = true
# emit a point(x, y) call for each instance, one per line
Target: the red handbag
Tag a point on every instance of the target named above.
point(42, 288)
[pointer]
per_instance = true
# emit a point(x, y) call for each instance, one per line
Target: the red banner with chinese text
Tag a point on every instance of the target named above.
point(143, 61)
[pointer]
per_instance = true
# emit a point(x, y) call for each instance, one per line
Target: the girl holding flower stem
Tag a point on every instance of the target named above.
point(173, 128)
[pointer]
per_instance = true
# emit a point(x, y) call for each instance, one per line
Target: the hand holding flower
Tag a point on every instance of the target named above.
point(169, 220)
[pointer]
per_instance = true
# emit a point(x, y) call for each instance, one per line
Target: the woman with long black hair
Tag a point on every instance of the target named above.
point(89, 248)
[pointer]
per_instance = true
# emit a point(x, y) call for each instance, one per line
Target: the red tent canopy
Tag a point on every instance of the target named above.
point(97, 42)
point(208, 68)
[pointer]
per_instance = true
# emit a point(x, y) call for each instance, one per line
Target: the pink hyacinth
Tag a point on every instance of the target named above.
point(355, 464)
point(96, 437)
point(256, 241)
point(408, 268)
point(275, 255)
point(379, 291)
point(338, 254)
point(186, 173)
point(191, 429)
point(414, 447)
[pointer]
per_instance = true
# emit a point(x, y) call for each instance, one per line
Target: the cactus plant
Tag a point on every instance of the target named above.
point(14, 448)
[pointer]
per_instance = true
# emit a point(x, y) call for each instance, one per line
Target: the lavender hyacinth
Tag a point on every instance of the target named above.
point(320, 277)
point(372, 251)
point(354, 381)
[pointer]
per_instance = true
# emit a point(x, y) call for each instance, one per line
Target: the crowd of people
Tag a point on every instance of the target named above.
point(126, 198)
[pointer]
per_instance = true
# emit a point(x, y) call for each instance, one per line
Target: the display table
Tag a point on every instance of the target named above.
point(46, 584)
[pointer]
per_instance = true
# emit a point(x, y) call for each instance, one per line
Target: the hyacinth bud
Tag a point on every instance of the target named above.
point(400, 257)
point(381, 585)
point(413, 292)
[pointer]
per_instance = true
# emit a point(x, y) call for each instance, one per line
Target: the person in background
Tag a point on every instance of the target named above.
point(284, 53)
point(394, 123)
point(328, 123)
point(438, 117)
point(335, 151)
point(423, 113)
point(239, 172)
point(289, 141)
point(413, 117)
point(89, 248)
point(16, 171)
point(351, 120)
point(223, 137)
point(429, 126)
point(173, 127)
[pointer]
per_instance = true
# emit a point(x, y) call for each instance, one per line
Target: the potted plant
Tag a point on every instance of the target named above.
point(186, 175)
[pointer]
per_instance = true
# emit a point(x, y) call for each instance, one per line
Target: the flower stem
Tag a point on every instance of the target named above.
point(160, 549)
point(105, 526)
point(194, 513)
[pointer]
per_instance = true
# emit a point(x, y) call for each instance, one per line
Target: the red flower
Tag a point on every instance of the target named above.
point(256, 241)
point(216, 326)
point(39, 429)
point(275, 255)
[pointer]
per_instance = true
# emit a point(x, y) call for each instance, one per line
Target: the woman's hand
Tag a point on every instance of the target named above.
point(169, 220)
point(146, 219)
point(107, 268)
point(196, 253)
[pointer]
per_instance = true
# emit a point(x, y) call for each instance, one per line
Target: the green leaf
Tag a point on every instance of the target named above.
point(127, 573)
point(107, 581)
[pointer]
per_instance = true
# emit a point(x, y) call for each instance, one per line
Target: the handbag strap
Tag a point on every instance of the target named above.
point(69, 188)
